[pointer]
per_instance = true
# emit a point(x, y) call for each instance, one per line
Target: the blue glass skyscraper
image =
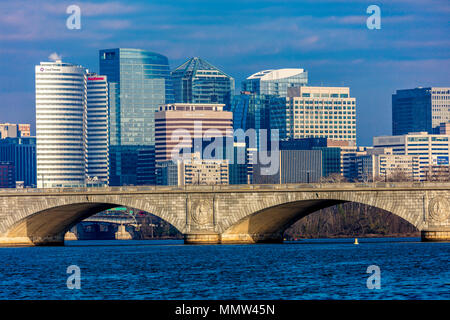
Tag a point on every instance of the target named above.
point(263, 98)
point(139, 82)
point(420, 109)
point(275, 82)
point(22, 153)
point(254, 111)
point(262, 103)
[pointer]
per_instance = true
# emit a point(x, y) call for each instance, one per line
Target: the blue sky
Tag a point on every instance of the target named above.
point(327, 38)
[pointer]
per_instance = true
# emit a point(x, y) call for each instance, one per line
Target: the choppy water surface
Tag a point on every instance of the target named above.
point(308, 269)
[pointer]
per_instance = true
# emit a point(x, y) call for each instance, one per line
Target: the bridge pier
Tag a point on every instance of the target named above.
point(70, 236)
point(32, 241)
point(215, 238)
point(202, 238)
point(436, 235)
point(122, 233)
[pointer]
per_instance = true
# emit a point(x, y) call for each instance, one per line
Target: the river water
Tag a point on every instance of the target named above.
point(307, 269)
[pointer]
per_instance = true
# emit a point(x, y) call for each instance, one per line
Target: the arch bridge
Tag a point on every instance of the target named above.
point(220, 213)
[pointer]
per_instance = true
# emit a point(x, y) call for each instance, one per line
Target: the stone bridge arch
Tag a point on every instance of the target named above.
point(45, 221)
point(266, 216)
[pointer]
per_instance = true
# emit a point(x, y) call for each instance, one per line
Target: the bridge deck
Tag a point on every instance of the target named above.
point(232, 188)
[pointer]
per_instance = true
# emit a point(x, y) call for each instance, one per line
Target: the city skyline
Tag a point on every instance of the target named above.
point(224, 158)
point(240, 38)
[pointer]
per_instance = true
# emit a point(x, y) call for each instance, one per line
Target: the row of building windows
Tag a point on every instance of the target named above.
point(325, 95)
point(46, 94)
point(311, 129)
point(332, 102)
point(315, 135)
point(54, 85)
point(51, 89)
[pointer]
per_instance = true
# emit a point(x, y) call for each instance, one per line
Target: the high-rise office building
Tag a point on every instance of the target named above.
point(198, 81)
point(12, 130)
point(420, 109)
point(432, 149)
point(71, 126)
point(317, 112)
point(60, 124)
point(275, 82)
point(22, 153)
point(97, 161)
point(139, 82)
point(262, 93)
point(196, 120)
point(254, 111)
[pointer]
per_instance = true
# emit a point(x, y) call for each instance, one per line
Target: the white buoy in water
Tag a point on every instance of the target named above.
point(356, 241)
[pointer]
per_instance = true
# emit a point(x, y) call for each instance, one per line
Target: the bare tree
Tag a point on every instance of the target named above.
point(438, 173)
point(398, 175)
point(333, 178)
point(350, 219)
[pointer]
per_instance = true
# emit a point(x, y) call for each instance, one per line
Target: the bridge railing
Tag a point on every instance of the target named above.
point(214, 188)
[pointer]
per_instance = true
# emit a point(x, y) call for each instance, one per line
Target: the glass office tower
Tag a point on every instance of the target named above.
point(22, 153)
point(198, 81)
point(275, 82)
point(420, 109)
point(252, 111)
point(139, 82)
point(262, 102)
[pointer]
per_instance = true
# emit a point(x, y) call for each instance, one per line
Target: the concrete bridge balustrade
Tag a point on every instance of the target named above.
point(217, 214)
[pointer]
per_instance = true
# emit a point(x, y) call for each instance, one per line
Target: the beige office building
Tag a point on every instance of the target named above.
point(196, 121)
point(195, 171)
point(321, 112)
point(433, 150)
point(382, 164)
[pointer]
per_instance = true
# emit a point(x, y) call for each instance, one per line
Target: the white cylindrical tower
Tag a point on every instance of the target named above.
point(60, 124)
